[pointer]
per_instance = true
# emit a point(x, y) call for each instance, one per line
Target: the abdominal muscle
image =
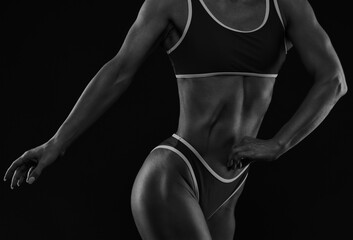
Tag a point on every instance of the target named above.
point(217, 112)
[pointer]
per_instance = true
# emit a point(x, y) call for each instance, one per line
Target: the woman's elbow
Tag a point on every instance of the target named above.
point(342, 87)
point(334, 85)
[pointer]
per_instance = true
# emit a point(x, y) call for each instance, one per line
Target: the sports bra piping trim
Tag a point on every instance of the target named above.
point(278, 12)
point(212, 74)
point(281, 19)
point(182, 156)
point(185, 29)
point(237, 30)
point(224, 180)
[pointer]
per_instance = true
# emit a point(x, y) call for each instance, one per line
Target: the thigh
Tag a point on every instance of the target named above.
point(222, 224)
point(163, 202)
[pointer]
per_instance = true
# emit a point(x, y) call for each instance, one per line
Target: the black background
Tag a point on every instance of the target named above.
point(50, 51)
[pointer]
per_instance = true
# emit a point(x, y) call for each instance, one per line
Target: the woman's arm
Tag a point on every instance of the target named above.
point(107, 86)
point(116, 75)
point(321, 61)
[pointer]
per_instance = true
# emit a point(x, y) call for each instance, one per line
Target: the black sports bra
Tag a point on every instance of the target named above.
point(207, 47)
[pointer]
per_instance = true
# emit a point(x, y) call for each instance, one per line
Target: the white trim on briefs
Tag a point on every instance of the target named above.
point(182, 156)
point(225, 180)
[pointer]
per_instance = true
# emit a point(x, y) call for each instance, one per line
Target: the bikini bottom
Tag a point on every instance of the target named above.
point(211, 190)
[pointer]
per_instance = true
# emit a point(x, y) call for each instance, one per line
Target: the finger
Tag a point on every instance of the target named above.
point(234, 159)
point(33, 176)
point(19, 172)
point(237, 164)
point(25, 173)
point(29, 172)
point(15, 164)
point(244, 154)
point(12, 180)
point(242, 159)
point(20, 181)
point(241, 148)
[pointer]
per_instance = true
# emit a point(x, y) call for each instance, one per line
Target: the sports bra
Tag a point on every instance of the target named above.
point(207, 47)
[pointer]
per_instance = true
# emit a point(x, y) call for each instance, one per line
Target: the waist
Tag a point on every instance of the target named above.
point(217, 112)
point(219, 138)
point(215, 143)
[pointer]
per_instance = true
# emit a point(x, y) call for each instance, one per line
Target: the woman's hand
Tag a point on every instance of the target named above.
point(252, 149)
point(31, 164)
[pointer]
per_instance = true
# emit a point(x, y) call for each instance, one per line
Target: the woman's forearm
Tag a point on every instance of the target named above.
point(108, 84)
point(315, 107)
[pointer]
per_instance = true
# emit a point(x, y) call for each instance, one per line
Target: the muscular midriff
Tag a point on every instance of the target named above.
point(217, 112)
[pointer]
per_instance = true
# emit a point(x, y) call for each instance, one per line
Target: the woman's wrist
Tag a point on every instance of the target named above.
point(281, 146)
point(57, 144)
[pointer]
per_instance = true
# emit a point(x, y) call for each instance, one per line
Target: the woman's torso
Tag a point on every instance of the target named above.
point(216, 112)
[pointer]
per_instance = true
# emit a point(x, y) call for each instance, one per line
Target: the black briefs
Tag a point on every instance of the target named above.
point(211, 190)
